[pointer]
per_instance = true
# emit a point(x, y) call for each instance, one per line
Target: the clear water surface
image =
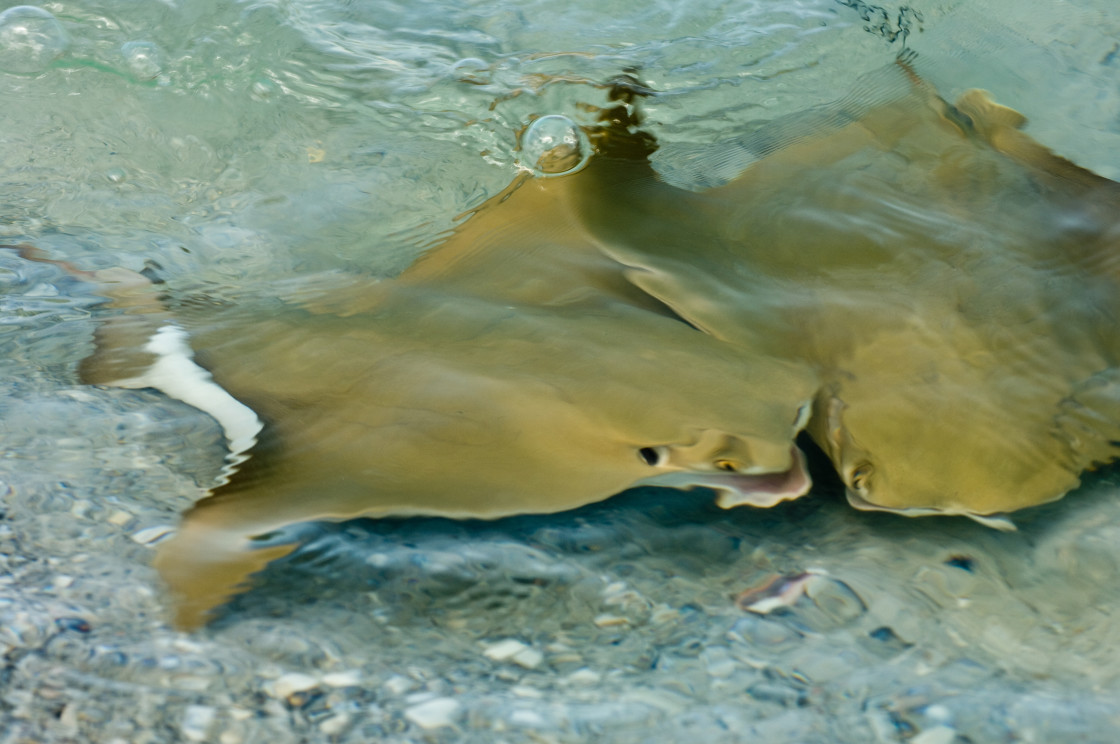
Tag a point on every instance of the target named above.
point(250, 145)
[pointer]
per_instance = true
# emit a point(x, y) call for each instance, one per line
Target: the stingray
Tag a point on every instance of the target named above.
point(952, 281)
point(925, 287)
point(512, 370)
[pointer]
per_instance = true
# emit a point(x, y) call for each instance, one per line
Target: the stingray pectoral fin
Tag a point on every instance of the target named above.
point(204, 566)
point(996, 521)
point(1001, 127)
point(229, 536)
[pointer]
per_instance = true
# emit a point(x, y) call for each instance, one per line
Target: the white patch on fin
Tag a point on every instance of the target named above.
point(178, 376)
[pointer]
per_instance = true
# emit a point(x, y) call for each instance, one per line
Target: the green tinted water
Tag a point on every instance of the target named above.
point(237, 145)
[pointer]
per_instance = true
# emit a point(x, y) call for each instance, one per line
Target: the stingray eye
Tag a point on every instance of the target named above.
point(651, 455)
point(727, 465)
point(861, 476)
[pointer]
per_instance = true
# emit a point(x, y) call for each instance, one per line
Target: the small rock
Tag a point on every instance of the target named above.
point(514, 650)
point(398, 684)
point(289, 684)
point(528, 718)
point(935, 735)
point(719, 664)
point(504, 650)
point(120, 518)
point(663, 613)
point(196, 723)
point(231, 736)
point(75, 624)
point(436, 713)
point(350, 678)
point(68, 718)
point(609, 621)
point(152, 535)
point(584, 676)
point(774, 592)
point(530, 658)
point(334, 725)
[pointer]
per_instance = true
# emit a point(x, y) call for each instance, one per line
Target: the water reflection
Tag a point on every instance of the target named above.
point(220, 191)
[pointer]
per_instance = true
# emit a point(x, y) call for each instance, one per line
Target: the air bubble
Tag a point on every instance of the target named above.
point(263, 89)
point(554, 146)
point(144, 59)
point(30, 39)
point(471, 70)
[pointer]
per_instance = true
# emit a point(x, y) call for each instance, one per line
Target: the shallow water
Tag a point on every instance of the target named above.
point(245, 147)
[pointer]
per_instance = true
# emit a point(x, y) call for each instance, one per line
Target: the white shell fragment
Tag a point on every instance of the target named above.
point(435, 713)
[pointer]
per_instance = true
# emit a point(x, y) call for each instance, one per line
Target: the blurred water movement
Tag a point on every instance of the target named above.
point(245, 149)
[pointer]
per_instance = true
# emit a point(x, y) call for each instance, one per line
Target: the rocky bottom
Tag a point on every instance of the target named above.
point(655, 616)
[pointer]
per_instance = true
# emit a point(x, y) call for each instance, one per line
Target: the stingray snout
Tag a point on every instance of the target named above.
point(720, 452)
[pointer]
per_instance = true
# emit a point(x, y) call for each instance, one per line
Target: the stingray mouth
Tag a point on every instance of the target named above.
point(764, 489)
point(738, 489)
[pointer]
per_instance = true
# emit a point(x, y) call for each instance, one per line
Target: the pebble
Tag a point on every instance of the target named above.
point(349, 678)
point(119, 518)
point(435, 713)
point(514, 650)
point(23, 630)
point(289, 684)
point(609, 621)
point(719, 663)
point(528, 718)
point(503, 650)
point(398, 685)
point(152, 535)
point(196, 723)
point(530, 658)
point(584, 676)
point(663, 613)
point(68, 718)
point(935, 735)
point(334, 725)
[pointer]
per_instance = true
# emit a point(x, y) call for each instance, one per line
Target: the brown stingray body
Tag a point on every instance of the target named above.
point(941, 287)
point(462, 408)
point(512, 370)
point(951, 280)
